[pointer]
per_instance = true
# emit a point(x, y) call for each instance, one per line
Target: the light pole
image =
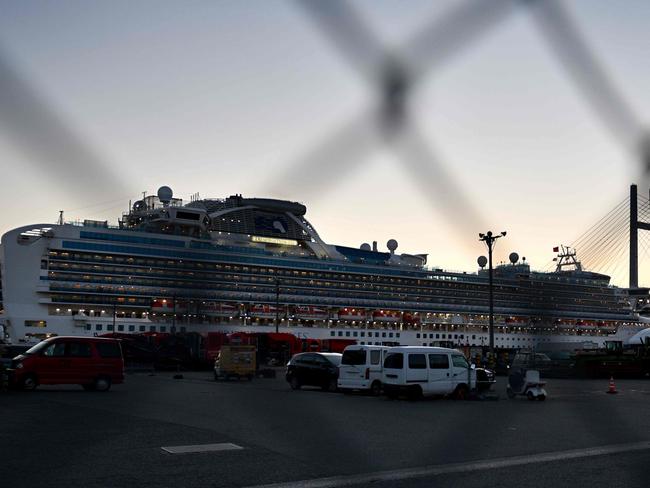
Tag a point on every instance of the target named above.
point(114, 312)
point(489, 240)
point(174, 313)
point(277, 305)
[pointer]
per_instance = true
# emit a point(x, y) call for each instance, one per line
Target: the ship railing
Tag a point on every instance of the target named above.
point(82, 223)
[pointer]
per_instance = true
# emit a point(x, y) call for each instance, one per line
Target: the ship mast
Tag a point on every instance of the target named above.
point(567, 257)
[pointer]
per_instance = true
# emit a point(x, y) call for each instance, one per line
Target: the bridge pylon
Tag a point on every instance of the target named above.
point(635, 225)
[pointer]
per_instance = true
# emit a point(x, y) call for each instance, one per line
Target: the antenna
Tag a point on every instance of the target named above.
point(60, 217)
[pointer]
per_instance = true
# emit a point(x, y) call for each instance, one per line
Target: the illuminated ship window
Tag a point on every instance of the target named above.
point(35, 323)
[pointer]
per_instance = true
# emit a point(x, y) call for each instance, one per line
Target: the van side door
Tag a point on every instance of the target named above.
point(440, 373)
point(376, 362)
point(416, 370)
point(80, 361)
point(52, 366)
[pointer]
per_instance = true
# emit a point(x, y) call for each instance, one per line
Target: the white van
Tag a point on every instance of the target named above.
point(426, 371)
point(361, 368)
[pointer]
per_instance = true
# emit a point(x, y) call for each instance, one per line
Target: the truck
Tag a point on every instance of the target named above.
point(235, 362)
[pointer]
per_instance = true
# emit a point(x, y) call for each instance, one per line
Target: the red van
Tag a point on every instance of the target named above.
point(94, 363)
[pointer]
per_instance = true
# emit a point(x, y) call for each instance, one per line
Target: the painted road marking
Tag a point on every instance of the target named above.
point(426, 471)
point(224, 446)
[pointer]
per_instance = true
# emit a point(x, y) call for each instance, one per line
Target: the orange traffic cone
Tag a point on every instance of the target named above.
point(612, 387)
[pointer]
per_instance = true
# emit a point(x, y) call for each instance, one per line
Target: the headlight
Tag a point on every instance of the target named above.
point(18, 365)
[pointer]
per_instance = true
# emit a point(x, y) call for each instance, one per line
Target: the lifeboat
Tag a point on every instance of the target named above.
point(264, 311)
point(219, 309)
point(516, 321)
point(585, 325)
point(411, 318)
point(166, 305)
point(386, 316)
point(311, 313)
point(564, 324)
point(349, 313)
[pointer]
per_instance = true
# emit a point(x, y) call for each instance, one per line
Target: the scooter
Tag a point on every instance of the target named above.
point(526, 383)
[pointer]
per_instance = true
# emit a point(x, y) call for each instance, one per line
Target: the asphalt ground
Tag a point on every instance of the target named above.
point(64, 436)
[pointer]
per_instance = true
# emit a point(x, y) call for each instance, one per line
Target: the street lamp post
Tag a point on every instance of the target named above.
point(277, 305)
point(114, 312)
point(174, 313)
point(490, 240)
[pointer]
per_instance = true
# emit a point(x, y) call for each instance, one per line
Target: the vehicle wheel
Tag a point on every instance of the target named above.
point(332, 386)
point(295, 384)
point(375, 388)
point(102, 383)
point(541, 398)
point(90, 387)
point(531, 396)
point(510, 393)
point(29, 382)
point(461, 393)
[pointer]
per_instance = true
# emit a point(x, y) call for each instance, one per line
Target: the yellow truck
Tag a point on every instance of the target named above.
point(235, 362)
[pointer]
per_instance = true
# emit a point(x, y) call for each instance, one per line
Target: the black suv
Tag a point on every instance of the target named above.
point(314, 369)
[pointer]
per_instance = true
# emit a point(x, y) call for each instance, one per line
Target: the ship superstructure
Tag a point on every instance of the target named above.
point(247, 263)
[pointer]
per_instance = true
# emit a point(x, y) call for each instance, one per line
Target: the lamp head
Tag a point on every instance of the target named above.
point(503, 233)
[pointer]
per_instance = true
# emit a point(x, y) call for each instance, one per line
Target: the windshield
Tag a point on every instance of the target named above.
point(335, 359)
point(459, 361)
point(354, 357)
point(37, 348)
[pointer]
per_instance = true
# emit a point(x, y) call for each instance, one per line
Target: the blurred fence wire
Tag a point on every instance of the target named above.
point(47, 139)
point(68, 159)
point(392, 74)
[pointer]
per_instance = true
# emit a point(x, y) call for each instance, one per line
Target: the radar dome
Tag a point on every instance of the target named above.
point(365, 247)
point(514, 257)
point(391, 245)
point(482, 261)
point(165, 194)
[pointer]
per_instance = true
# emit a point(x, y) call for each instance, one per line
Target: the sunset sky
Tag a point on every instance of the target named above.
point(221, 97)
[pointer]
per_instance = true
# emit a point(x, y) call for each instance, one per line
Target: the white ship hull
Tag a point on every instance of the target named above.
point(456, 335)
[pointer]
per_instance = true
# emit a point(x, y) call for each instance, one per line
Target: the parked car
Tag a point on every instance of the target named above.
point(485, 379)
point(314, 369)
point(553, 364)
point(92, 362)
point(361, 368)
point(427, 371)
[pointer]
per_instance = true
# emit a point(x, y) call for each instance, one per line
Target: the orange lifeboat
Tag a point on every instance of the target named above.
point(311, 313)
point(349, 313)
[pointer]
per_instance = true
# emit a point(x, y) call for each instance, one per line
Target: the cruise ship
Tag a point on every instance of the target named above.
point(257, 264)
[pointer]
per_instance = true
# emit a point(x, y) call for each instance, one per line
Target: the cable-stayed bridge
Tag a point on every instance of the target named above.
point(617, 245)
